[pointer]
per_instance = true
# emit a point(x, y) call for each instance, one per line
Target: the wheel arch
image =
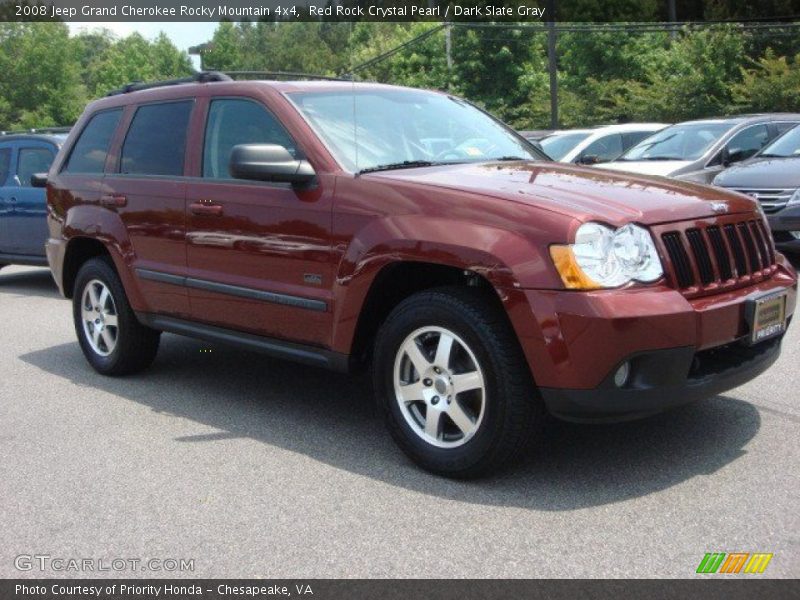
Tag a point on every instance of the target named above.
point(381, 267)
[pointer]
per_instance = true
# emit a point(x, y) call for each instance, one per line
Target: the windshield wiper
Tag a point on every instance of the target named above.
point(771, 156)
point(661, 158)
point(406, 164)
point(508, 158)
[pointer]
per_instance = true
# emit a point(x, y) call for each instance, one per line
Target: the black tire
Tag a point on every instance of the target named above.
point(136, 345)
point(513, 410)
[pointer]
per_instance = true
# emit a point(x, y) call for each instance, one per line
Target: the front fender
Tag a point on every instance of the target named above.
point(506, 259)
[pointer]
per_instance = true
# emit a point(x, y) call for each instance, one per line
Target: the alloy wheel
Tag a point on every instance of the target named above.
point(440, 387)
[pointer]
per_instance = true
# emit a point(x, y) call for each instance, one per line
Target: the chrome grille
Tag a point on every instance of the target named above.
point(771, 199)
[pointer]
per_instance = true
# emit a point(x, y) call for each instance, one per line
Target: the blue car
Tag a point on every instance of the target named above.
point(23, 210)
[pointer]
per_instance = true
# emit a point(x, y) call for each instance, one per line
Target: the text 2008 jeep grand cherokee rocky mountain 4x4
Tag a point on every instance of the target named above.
point(333, 222)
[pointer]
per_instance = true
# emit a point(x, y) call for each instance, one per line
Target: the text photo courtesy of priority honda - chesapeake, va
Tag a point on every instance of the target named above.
point(362, 299)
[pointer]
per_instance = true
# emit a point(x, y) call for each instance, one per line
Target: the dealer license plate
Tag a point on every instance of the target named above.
point(768, 317)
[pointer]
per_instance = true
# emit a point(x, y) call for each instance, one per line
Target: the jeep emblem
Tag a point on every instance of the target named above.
point(719, 207)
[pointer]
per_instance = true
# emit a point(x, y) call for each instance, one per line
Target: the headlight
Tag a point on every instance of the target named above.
point(604, 257)
point(795, 199)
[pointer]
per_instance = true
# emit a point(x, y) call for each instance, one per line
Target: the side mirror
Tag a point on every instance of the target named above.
point(724, 156)
point(269, 162)
point(39, 180)
point(589, 159)
point(736, 155)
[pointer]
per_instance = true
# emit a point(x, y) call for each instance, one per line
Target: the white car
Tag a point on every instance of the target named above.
point(598, 144)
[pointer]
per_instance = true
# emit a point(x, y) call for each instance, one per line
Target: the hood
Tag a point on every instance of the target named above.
point(646, 167)
point(580, 192)
point(765, 173)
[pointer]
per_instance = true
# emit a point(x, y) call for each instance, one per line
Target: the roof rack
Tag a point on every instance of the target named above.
point(201, 77)
point(37, 130)
point(283, 75)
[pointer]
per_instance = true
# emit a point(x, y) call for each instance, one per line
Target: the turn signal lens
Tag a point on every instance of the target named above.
point(571, 274)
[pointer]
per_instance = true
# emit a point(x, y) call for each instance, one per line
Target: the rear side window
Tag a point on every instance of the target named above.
point(89, 152)
point(156, 140)
point(32, 160)
point(5, 164)
point(231, 122)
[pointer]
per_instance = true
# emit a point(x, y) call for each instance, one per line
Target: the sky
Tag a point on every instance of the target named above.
point(182, 35)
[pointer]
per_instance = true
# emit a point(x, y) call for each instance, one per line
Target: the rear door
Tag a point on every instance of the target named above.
point(6, 153)
point(29, 220)
point(147, 189)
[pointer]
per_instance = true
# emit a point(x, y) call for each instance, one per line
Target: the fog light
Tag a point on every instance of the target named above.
point(795, 234)
point(621, 376)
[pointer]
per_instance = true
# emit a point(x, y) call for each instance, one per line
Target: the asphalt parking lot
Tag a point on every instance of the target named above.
point(259, 468)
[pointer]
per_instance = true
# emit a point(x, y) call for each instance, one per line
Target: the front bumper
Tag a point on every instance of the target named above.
point(664, 379)
point(574, 343)
point(781, 223)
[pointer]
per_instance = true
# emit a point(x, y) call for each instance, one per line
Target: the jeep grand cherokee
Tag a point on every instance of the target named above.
point(344, 224)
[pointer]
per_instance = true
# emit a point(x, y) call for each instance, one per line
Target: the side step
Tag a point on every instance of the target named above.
point(310, 355)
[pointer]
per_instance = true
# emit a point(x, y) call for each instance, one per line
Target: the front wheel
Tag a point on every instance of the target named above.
point(456, 390)
point(112, 339)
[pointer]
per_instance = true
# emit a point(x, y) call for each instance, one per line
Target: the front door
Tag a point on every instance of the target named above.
point(258, 253)
point(29, 220)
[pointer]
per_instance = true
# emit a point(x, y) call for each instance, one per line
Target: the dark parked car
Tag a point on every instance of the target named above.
point(482, 284)
point(699, 150)
point(773, 178)
point(23, 226)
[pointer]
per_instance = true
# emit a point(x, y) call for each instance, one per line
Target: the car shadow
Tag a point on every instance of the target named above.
point(333, 419)
point(35, 281)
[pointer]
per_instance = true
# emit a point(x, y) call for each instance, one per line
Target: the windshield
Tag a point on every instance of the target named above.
point(786, 146)
point(559, 144)
point(374, 129)
point(687, 141)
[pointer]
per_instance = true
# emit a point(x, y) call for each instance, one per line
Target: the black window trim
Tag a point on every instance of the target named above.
point(65, 163)
point(273, 184)
point(11, 151)
point(115, 172)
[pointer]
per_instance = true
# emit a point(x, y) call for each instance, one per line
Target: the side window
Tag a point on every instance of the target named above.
point(231, 122)
point(32, 160)
point(782, 127)
point(5, 164)
point(156, 141)
point(747, 142)
point(89, 153)
point(630, 139)
point(606, 148)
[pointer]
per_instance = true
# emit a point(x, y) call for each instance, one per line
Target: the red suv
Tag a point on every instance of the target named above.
point(344, 224)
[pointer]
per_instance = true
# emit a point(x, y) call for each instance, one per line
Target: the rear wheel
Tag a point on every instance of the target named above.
point(456, 391)
point(112, 339)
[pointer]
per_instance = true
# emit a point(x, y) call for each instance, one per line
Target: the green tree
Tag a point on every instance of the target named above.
point(772, 84)
point(41, 85)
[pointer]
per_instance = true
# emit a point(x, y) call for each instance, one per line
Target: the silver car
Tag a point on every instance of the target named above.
point(699, 150)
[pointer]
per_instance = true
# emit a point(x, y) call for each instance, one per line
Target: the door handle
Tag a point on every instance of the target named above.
point(206, 208)
point(12, 199)
point(113, 200)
